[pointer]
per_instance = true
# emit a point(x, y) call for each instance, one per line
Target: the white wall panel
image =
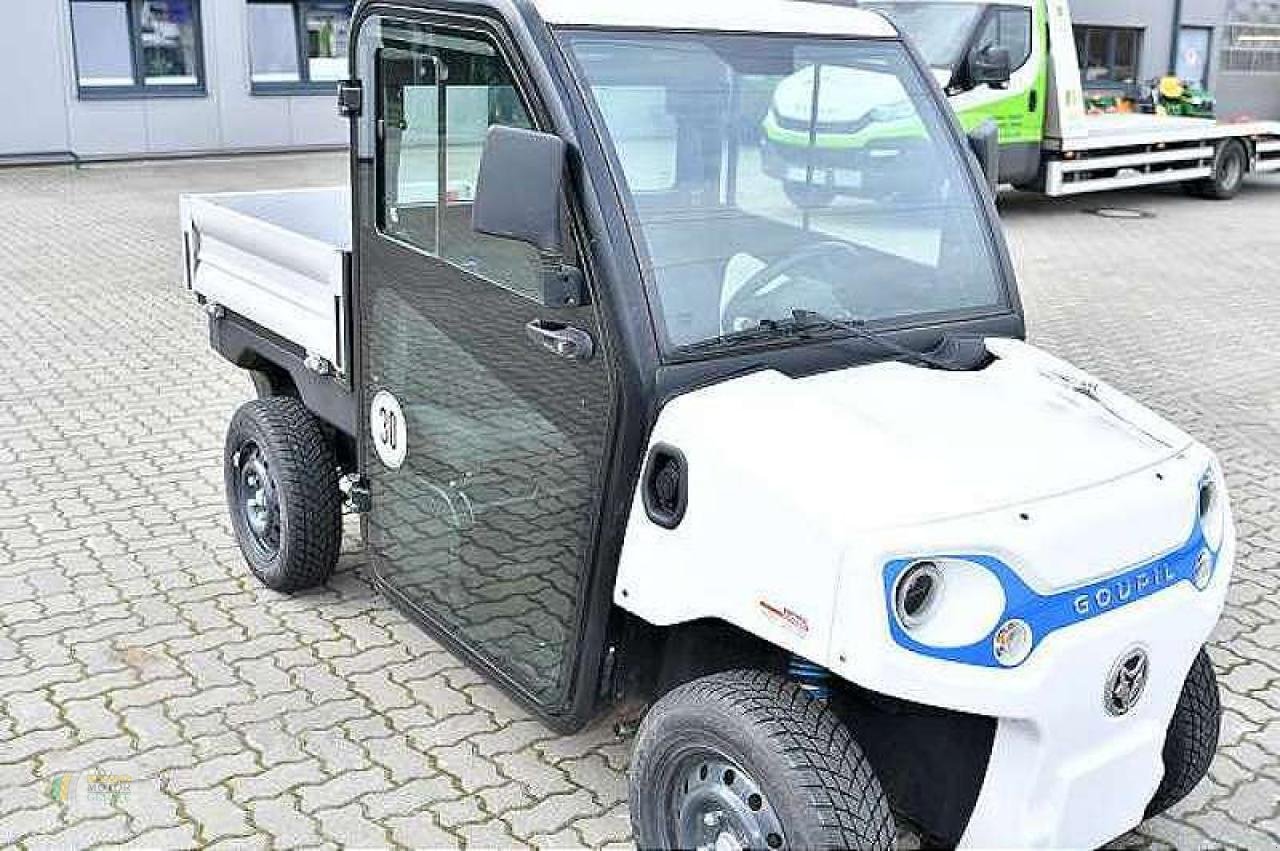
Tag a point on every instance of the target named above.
point(32, 51)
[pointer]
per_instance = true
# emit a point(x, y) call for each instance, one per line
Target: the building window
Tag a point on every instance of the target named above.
point(130, 48)
point(297, 45)
point(1251, 48)
point(1193, 54)
point(1109, 56)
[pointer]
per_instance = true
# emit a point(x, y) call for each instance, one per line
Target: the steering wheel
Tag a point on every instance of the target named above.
point(752, 288)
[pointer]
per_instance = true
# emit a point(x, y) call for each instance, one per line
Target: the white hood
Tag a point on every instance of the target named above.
point(846, 94)
point(904, 445)
point(802, 489)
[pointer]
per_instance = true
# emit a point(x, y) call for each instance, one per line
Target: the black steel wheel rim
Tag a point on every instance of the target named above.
point(258, 498)
point(715, 805)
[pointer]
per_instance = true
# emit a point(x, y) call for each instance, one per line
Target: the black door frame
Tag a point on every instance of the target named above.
point(586, 649)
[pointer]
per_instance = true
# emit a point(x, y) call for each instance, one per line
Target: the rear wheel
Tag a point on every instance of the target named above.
point(282, 491)
point(808, 196)
point(1192, 738)
point(1230, 163)
point(747, 759)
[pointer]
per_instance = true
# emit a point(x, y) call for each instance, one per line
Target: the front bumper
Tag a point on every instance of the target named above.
point(875, 167)
point(1066, 773)
point(1063, 771)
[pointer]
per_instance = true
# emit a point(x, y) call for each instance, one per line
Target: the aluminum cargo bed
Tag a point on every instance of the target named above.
point(279, 259)
point(1125, 151)
point(1138, 129)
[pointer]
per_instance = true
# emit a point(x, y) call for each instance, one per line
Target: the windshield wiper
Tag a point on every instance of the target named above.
point(810, 320)
point(766, 329)
point(805, 322)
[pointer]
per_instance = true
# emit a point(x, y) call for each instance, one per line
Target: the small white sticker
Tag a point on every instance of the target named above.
point(390, 437)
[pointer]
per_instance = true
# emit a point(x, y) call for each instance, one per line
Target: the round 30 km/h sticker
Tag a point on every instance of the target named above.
point(386, 424)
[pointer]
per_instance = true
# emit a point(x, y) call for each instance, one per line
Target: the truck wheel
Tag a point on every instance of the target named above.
point(1230, 164)
point(282, 491)
point(747, 759)
point(1192, 738)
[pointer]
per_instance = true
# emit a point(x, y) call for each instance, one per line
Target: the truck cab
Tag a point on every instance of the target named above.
point(992, 60)
point(627, 425)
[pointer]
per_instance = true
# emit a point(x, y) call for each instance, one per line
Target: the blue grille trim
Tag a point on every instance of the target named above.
point(1046, 614)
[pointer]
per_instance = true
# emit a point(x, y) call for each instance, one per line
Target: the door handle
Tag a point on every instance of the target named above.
point(562, 340)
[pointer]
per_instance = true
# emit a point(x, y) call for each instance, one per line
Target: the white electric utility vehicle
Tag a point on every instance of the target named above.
point(1013, 62)
point(627, 426)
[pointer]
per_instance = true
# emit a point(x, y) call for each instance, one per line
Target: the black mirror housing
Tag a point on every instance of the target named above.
point(518, 195)
point(519, 187)
point(984, 141)
point(991, 65)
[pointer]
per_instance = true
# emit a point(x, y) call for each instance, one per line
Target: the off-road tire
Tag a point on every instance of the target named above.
point(1192, 738)
point(1230, 165)
point(813, 773)
point(302, 464)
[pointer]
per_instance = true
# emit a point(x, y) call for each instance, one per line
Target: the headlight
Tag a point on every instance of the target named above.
point(947, 602)
point(1213, 510)
point(917, 593)
point(1013, 643)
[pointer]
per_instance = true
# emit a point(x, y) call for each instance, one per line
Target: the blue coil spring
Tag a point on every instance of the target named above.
point(814, 679)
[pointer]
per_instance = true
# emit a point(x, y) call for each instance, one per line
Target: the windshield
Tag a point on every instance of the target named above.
point(940, 30)
point(771, 174)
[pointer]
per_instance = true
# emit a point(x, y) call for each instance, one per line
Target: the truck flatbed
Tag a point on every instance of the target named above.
point(1125, 151)
point(1136, 129)
point(280, 260)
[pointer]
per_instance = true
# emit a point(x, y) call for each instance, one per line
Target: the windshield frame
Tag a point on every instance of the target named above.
point(1008, 303)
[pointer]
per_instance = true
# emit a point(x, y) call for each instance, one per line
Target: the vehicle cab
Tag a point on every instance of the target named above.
point(634, 422)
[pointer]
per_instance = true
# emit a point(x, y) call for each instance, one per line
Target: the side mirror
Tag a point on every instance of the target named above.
point(984, 141)
point(991, 65)
point(518, 195)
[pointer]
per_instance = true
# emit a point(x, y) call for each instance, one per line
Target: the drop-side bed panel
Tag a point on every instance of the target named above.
point(279, 259)
point(1126, 151)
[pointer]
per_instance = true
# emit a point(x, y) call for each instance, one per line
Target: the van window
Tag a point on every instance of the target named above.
point(1010, 28)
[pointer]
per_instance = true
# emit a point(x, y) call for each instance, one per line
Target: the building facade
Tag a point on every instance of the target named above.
point(119, 78)
point(1230, 46)
point(122, 78)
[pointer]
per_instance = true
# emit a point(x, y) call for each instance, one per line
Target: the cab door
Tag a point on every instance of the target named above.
point(484, 452)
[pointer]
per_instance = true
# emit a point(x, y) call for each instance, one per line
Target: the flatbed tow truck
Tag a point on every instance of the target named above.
point(1015, 62)
point(624, 425)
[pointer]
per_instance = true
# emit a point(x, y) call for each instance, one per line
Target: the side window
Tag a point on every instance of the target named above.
point(438, 94)
point(1009, 28)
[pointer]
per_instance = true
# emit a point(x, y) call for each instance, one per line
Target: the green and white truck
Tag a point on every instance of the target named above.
point(1013, 62)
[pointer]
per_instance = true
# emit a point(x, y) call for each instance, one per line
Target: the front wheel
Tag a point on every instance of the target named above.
point(282, 491)
point(1192, 738)
point(807, 196)
point(747, 759)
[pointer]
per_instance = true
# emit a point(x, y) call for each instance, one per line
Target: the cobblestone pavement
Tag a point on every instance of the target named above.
point(151, 693)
